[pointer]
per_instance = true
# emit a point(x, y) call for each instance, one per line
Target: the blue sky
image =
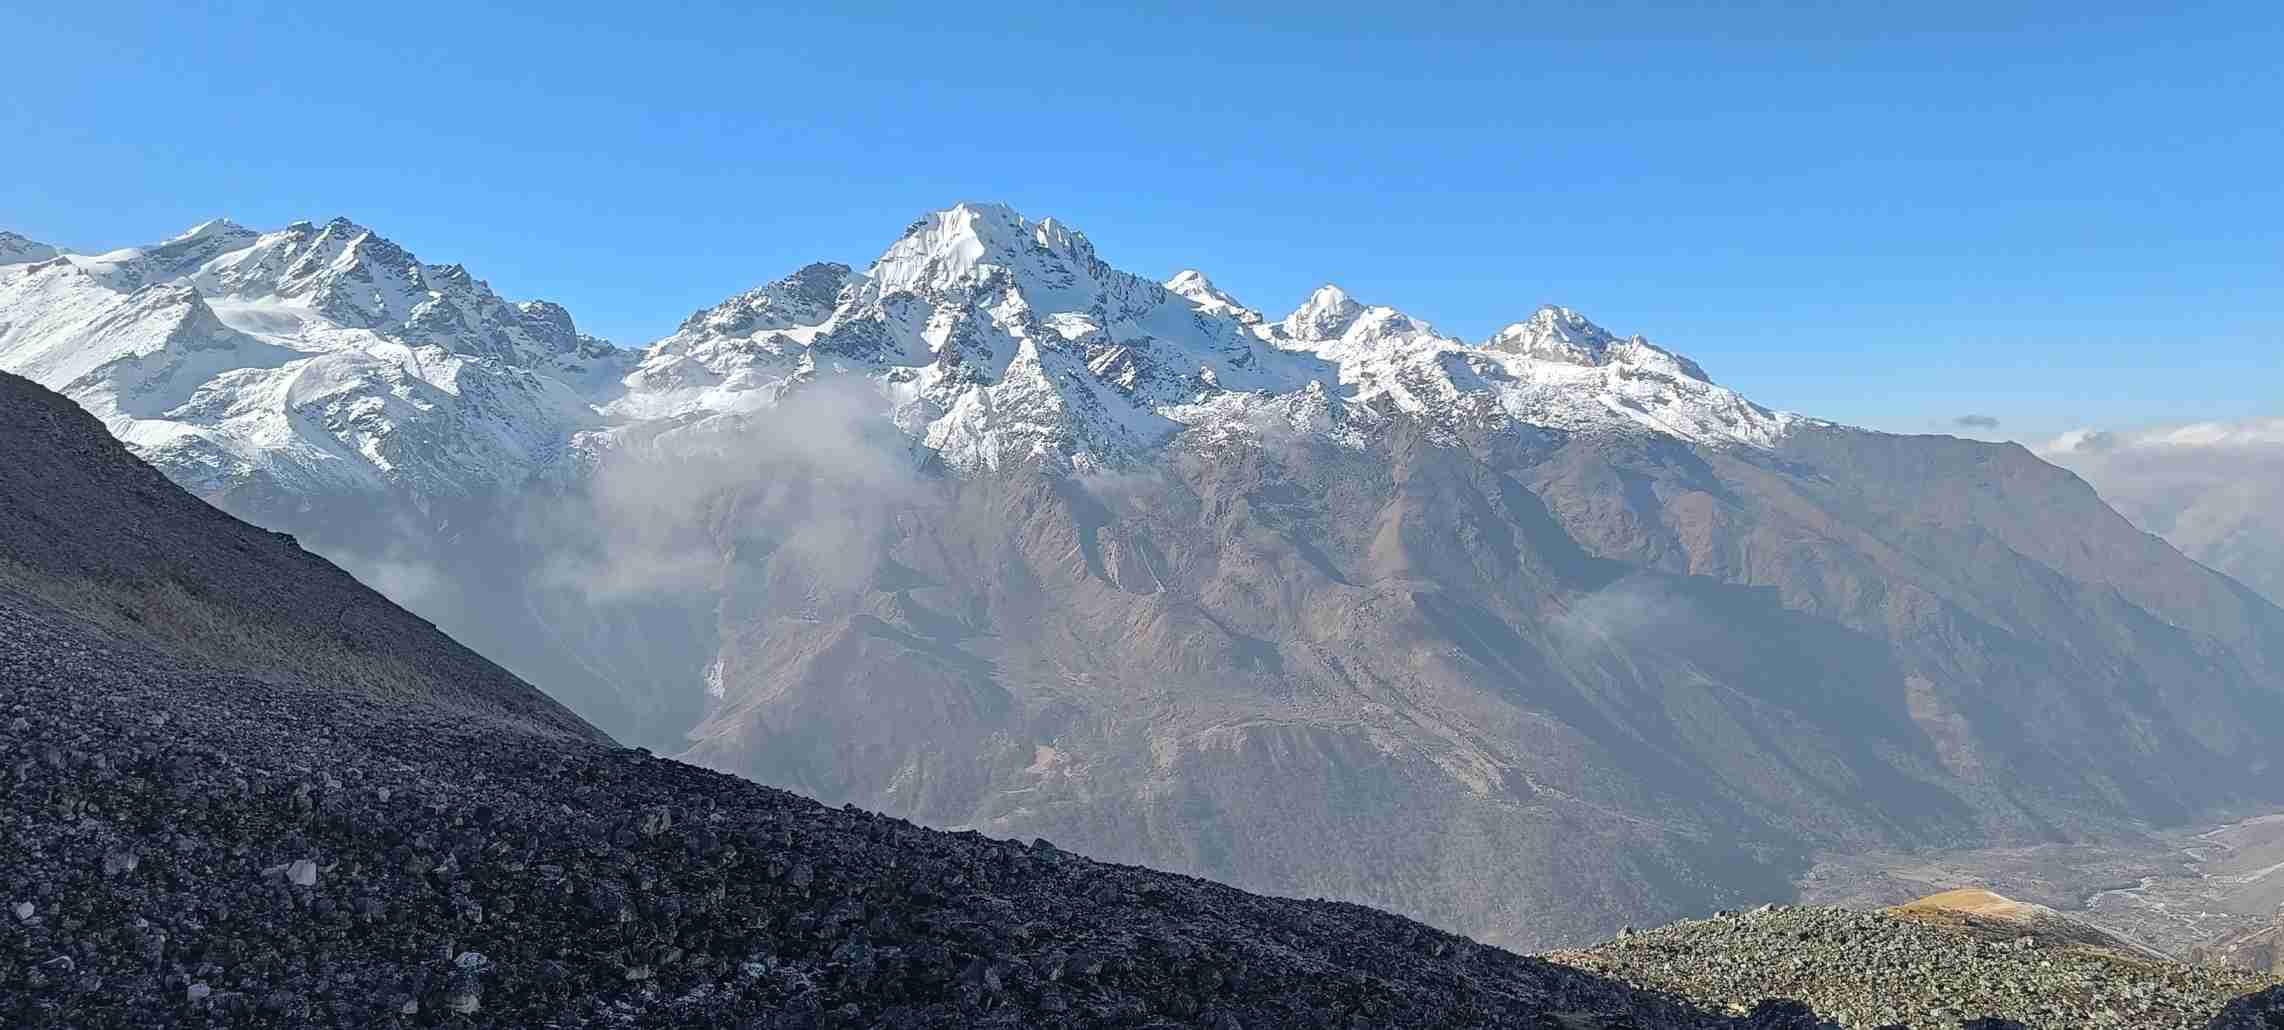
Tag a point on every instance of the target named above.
point(1888, 214)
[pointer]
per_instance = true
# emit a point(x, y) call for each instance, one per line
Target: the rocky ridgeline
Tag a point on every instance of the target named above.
point(1888, 970)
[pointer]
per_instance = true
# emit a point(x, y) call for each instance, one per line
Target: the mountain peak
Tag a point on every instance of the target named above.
point(805, 297)
point(214, 228)
point(205, 239)
point(550, 325)
point(1326, 314)
point(1557, 334)
point(1192, 285)
point(1061, 238)
point(968, 244)
point(1190, 282)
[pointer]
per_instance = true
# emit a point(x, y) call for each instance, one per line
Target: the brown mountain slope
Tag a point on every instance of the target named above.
point(1528, 686)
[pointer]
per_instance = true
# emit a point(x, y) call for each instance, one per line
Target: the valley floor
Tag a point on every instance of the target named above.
point(2172, 889)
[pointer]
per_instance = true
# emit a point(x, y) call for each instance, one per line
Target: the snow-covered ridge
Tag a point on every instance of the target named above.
point(994, 338)
point(327, 357)
point(315, 359)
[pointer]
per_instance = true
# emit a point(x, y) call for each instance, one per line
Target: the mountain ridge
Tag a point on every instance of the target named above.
point(982, 385)
point(990, 534)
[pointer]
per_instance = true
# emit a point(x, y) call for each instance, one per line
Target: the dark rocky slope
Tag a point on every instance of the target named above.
point(91, 530)
point(204, 849)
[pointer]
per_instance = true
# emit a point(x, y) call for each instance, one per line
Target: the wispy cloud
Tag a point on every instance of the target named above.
point(806, 479)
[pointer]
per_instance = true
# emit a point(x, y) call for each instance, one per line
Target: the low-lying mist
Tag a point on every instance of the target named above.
point(602, 588)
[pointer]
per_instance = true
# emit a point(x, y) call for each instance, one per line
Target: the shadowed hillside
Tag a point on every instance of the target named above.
point(92, 531)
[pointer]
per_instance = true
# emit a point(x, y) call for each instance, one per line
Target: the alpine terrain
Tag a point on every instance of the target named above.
point(1526, 637)
point(240, 789)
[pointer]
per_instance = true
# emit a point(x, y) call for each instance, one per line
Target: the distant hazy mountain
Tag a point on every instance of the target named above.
point(1528, 637)
point(15, 248)
point(2214, 489)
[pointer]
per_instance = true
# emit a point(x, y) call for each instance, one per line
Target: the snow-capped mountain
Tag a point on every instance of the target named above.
point(315, 359)
point(325, 357)
point(1530, 636)
point(996, 339)
point(17, 249)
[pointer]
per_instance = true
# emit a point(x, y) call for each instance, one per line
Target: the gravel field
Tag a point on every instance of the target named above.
point(1873, 969)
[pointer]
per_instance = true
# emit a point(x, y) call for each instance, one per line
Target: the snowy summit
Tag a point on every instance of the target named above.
point(327, 355)
point(993, 338)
